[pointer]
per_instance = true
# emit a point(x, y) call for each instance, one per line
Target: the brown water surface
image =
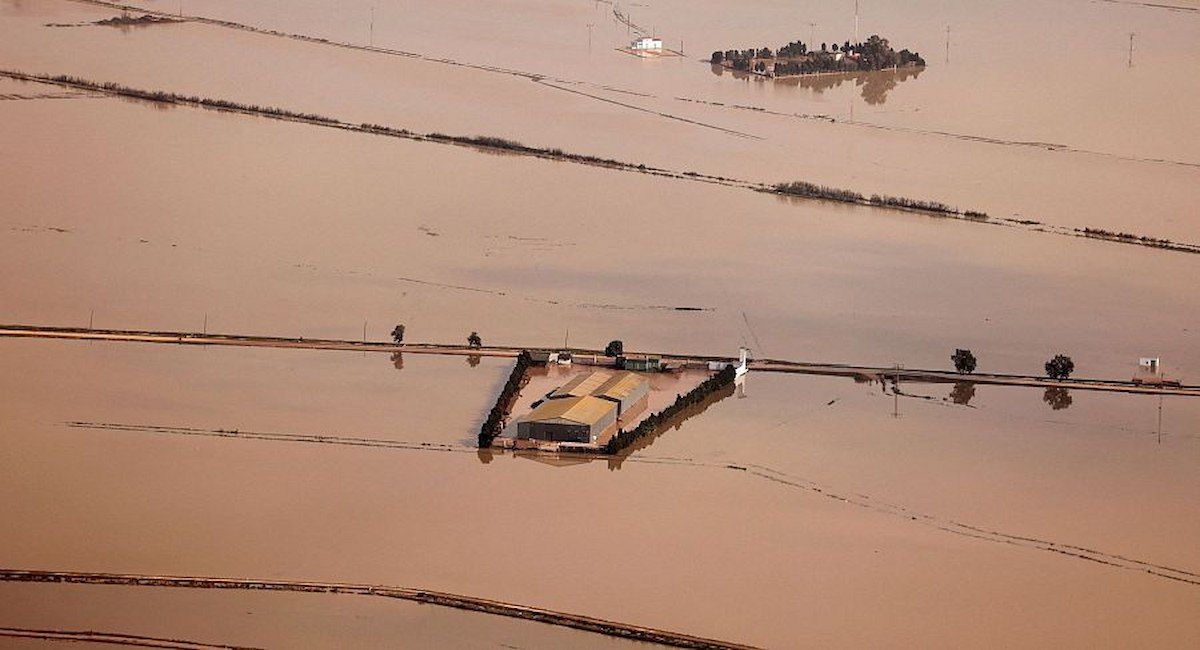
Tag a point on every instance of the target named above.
point(689, 546)
point(1006, 127)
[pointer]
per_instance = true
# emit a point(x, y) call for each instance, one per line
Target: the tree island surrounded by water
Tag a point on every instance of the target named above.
point(796, 59)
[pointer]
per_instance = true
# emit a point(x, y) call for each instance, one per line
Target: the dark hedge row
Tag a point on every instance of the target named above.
point(495, 420)
point(651, 424)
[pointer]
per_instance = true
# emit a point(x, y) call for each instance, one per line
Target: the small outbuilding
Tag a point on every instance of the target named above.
point(640, 362)
point(647, 43)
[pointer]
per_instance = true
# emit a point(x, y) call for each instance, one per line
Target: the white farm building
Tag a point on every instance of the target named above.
point(647, 43)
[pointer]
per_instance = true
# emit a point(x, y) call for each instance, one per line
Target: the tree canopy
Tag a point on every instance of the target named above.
point(964, 360)
point(1060, 367)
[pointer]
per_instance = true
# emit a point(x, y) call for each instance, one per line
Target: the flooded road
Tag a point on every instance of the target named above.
point(267, 620)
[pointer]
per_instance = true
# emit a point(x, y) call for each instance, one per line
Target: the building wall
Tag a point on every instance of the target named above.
point(566, 431)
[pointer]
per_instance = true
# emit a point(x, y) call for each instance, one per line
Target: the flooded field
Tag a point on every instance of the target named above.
point(292, 245)
point(688, 545)
point(790, 511)
point(977, 132)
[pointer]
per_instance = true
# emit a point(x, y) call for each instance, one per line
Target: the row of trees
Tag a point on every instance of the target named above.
point(473, 339)
point(1059, 367)
point(494, 423)
point(652, 423)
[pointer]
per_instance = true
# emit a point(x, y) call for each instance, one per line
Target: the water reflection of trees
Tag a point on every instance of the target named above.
point(398, 360)
point(1058, 398)
point(962, 393)
point(473, 360)
point(875, 85)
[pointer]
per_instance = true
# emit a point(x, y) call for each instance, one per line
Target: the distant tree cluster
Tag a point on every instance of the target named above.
point(875, 53)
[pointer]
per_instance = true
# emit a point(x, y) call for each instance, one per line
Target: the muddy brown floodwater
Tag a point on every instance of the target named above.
point(797, 511)
point(312, 231)
point(664, 541)
point(1010, 125)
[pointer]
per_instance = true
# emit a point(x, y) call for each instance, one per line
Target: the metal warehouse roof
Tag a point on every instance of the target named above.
point(620, 385)
point(583, 410)
point(582, 384)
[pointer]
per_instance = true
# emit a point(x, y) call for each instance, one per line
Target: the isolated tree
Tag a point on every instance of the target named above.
point(1060, 367)
point(1057, 398)
point(398, 334)
point(964, 360)
point(474, 341)
point(614, 348)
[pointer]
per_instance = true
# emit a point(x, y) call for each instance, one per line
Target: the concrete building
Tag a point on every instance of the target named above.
point(569, 419)
point(647, 43)
point(630, 392)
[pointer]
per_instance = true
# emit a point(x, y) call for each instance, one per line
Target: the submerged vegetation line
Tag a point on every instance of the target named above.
point(795, 188)
point(757, 471)
point(115, 638)
point(470, 603)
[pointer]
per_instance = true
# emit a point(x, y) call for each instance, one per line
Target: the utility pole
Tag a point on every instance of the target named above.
point(1160, 401)
point(91, 318)
point(1131, 35)
point(856, 22)
point(364, 330)
point(205, 330)
point(947, 44)
point(589, 38)
point(372, 26)
point(896, 393)
point(812, 28)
